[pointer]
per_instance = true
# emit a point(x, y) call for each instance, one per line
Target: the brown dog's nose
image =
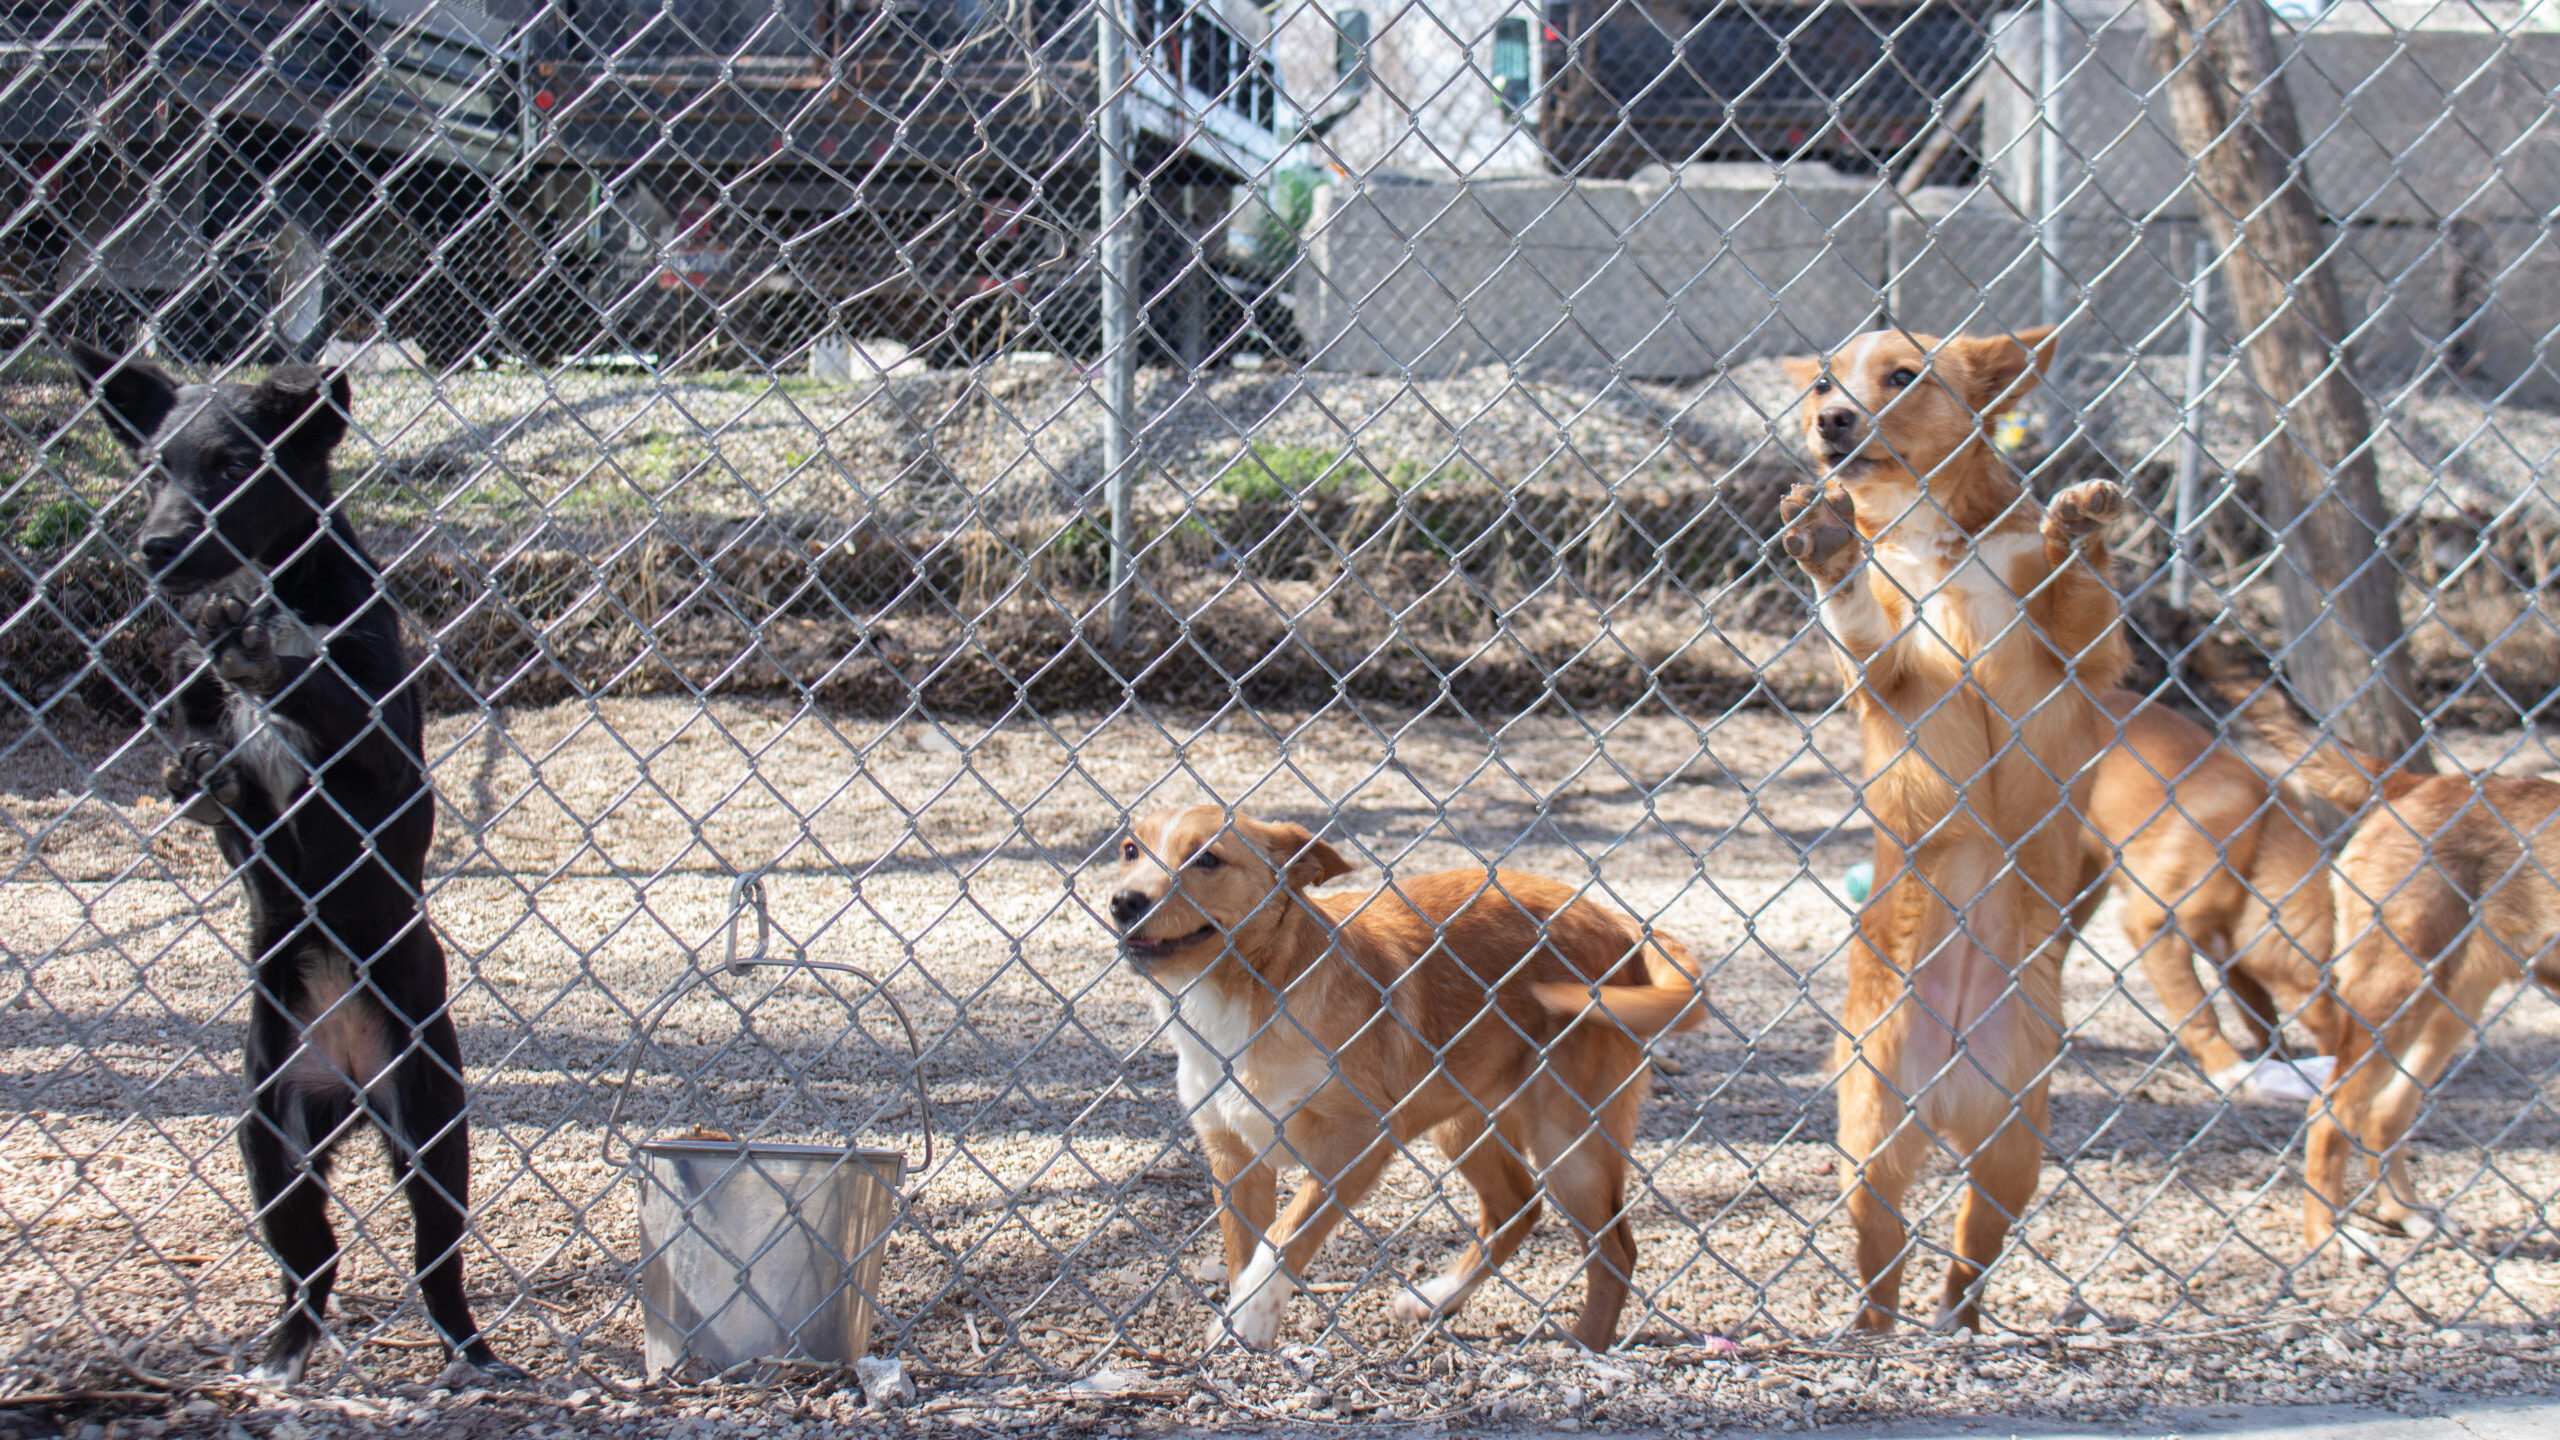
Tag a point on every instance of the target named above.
point(1839, 424)
point(1128, 908)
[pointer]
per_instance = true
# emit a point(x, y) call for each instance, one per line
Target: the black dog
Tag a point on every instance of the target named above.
point(299, 743)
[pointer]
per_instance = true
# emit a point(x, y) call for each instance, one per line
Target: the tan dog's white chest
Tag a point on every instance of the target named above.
point(1236, 1074)
point(1960, 585)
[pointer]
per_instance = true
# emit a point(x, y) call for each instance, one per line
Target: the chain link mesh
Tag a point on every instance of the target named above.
point(738, 419)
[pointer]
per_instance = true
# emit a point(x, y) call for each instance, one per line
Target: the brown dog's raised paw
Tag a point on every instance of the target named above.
point(1818, 533)
point(2083, 510)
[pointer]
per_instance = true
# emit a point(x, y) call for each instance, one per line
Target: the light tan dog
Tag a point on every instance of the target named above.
point(1499, 1013)
point(1972, 628)
point(2445, 893)
point(2210, 858)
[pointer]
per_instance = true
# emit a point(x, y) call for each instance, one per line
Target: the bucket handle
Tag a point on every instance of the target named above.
point(749, 891)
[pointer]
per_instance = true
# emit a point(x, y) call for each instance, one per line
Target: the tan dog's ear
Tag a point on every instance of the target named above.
point(1802, 370)
point(1997, 369)
point(1302, 858)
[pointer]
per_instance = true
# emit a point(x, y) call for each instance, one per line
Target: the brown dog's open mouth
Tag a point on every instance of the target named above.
point(1140, 945)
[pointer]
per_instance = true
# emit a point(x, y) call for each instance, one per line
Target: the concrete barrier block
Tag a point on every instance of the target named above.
point(2477, 301)
point(1965, 261)
point(2410, 112)
point(2512, 345)
point(1679, 274)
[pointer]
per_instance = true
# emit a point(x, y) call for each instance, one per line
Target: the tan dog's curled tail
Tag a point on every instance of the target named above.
point(1675, 1003)
point(2339, 774)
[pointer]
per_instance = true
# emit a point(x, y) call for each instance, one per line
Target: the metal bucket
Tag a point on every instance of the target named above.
point(756, 1251)
point(761, 1252)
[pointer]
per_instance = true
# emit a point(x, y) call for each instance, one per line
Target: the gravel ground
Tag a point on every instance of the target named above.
point(1050, 1276)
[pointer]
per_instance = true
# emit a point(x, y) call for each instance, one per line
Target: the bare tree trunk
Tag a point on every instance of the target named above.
point(2341, 593)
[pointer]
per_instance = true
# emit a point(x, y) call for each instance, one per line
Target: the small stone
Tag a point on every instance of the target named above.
point(2293, 1330)
point(884, 1381)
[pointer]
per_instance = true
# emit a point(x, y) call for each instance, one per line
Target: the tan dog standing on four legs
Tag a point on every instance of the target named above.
point(2445, 893)
point(2210, 859)
point(1499, 1013)
point(1972, 630)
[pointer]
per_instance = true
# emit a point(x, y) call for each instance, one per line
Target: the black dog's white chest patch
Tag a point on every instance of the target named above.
point(271, 750)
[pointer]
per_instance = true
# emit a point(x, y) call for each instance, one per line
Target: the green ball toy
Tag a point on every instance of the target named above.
point(1860, 879)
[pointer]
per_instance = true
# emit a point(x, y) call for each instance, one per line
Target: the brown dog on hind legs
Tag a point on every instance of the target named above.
point(1972, 630)
point(1499, 1013)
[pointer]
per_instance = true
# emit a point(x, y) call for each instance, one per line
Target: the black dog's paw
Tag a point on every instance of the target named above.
point(239, 643)
point(202, 784)
point(481, 1369)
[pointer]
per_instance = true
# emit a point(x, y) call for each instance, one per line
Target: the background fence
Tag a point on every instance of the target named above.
point(775, 469)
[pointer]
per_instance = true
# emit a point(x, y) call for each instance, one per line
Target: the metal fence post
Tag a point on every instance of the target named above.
point(2182, 572)
point(2052, 295)
point(1119, 355)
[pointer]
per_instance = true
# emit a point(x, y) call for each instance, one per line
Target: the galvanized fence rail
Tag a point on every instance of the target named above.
point(892, 449)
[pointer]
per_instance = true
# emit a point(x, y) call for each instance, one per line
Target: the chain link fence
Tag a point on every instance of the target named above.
point(889, 446)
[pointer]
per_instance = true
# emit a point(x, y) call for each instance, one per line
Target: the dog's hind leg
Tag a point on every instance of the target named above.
point(1589, 1184)
point(1883, 1154)
point(2384, 1130)
point(285, 1144)
point(2003, 1174)
point(2159, 935)
point(1489, 1160)
point(420, 1109)
point(2362, 1067)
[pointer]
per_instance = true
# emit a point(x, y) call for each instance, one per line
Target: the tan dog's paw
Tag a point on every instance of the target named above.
point(1817, 529)
point(2082, 510)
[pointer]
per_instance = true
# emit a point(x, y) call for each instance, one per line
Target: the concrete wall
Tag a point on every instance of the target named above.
point(2372, 81)
point(1673, 276)
point(2470, 299)
point(2435, 149)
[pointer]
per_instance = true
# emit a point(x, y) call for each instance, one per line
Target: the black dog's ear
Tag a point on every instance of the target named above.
point(133, 394)
point(306, 409)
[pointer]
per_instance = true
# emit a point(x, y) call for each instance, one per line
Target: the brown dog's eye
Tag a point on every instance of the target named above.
point(1822, 386)
point(1128, 849)
point(1901, 379)
point(1206, 860)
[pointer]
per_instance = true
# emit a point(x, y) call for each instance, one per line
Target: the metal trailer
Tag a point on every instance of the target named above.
point(246, 179)
point(734, 179)
point(1672, 81)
